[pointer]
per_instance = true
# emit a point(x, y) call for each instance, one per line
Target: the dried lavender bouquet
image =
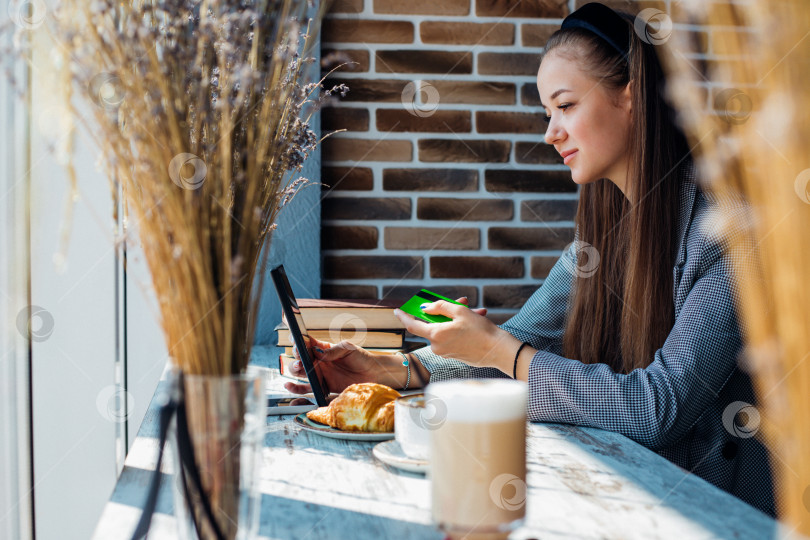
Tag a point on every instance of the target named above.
point(201, 113)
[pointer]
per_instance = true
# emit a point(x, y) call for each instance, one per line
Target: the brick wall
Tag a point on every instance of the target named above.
point(456, 191)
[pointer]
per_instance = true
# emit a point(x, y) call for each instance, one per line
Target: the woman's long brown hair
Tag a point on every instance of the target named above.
point(621, 314)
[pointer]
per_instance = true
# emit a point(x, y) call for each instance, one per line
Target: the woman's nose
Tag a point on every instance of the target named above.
point(554, 132)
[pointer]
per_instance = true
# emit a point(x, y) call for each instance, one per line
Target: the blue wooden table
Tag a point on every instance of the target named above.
point(582, 483)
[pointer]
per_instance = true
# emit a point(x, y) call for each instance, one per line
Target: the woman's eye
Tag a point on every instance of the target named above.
point(561, 106)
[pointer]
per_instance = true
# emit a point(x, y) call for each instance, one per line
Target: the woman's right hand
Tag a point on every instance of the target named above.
point(340, 364)
point(345, 363)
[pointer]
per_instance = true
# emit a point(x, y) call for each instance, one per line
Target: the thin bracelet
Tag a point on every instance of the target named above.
point(406, 362)
point(514, 369)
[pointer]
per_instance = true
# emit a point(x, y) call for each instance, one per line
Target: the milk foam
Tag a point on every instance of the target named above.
point(479, 400)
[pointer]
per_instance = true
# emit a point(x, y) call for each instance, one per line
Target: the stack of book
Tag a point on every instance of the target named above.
point(370, 324)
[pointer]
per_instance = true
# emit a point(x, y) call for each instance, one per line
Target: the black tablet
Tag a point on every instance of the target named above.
point(295, 322)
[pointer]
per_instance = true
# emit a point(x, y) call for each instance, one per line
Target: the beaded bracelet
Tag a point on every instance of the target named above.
point(407, 363)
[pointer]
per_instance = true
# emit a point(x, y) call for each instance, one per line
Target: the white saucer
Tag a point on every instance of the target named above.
point(390, 453)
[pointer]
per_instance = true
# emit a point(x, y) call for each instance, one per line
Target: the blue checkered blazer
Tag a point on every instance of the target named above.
point(675, 406)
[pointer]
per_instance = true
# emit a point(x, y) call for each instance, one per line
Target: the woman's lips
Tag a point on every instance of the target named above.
point(568, 157)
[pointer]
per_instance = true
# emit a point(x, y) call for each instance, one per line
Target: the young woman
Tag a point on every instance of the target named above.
point(634, 329)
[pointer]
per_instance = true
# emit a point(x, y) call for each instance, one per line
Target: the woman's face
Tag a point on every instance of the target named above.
point(589, 124)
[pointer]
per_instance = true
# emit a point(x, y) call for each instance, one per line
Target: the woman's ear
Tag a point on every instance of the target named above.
point(626, 97)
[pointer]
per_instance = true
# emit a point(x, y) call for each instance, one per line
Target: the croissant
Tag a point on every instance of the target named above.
point(360, 407)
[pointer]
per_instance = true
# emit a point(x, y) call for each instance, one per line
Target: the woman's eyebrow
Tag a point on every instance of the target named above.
point(555, 94)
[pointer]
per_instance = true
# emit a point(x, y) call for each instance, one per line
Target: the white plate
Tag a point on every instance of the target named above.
point(305, 423)
point(391, 453)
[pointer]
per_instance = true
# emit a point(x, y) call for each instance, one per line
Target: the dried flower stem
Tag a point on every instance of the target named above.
point(198, 112)
point(754, 146)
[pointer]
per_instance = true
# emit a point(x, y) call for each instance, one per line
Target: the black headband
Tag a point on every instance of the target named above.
point(604, 22)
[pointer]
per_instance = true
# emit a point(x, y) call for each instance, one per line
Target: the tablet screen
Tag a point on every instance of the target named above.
point(298, 331)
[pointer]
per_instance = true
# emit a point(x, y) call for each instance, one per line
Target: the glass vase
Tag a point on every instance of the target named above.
point(225, 419)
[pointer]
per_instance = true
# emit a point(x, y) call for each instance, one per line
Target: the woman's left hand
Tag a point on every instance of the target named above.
point(469, 337)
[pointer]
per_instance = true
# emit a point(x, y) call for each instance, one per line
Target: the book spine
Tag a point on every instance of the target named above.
point(392, 339)
point(349, 318)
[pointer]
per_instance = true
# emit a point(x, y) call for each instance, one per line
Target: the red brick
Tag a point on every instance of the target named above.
point(508, 63)
point(476, 267)
point(548, 210)
point(346, 6)
point(508, 296)
point(422, 7)
point(365, 208)
point(698, 68)
point(353, 237)
point(536, 35)
point(537, 152)
point(474, 92)
point(464, 209)
point(370, 90)
point(444, 62)
point(372, 267)
point(352, 119)
point(628, 6)
point(356, 60)
point(437, 122)
point(405, 292)
point(475, 151)
point(522, 181)
point(529, 95)
point(427, 238)
point(536, 9)
point(364, 31)
point(541, 266)
point(340, 149)
point(509, 122)
point(730, 70)
point(700, 41)
point(715, 12)
point(686, 14)
point(463, 33)
point(725, 41)
point(430, 180)
point(348, 291)
point(529, 238)
point(347, 178)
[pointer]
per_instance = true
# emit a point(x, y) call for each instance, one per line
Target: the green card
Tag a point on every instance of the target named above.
point(413, 306)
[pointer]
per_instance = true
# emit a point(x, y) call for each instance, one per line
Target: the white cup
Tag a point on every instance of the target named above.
point(412, 426)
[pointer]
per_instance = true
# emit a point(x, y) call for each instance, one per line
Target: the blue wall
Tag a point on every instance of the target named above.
point(297, 242)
